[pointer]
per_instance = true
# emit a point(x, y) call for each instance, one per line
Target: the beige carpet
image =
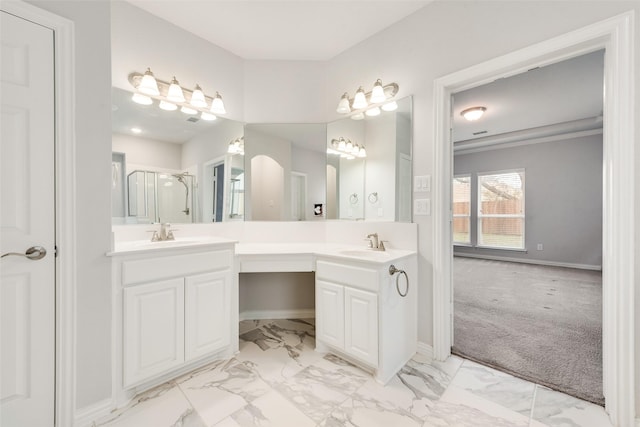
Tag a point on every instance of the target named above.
point(540, 323)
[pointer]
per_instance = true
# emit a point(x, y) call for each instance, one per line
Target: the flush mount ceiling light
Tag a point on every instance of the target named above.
point(473, 113)
point(345, 148)
point(171, 96)
point(379, 95)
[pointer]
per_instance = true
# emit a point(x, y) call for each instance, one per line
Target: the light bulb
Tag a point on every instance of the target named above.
point(362, 152)
point(342, 144)
point(141, 99)
point(207, 116)
point(358, 116)
point(377, 93)
point(360, 100)
point(188, 110)
point(197, 98)
point(175, 93)
point(355, 149)
point(349, 146)
point(168, 106)
point(390, 106)
point(136, 130)
point(375, 111)
point(148, 84)
point(343, 105)
point(217, 106)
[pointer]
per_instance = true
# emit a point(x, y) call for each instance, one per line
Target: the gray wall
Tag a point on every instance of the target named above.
point(93, 186)
point(276, 291)
point(563, 198)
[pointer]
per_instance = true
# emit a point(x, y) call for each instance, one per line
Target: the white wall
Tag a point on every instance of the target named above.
point(284, 91)
point(93, 185)
point(148, 152)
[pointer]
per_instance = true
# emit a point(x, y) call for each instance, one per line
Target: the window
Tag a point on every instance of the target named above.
point(462, 210)
point(501, 209)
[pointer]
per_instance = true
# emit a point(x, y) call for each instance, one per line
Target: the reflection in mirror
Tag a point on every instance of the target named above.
point(169, 166)
point(375, 185)
point(285, 171)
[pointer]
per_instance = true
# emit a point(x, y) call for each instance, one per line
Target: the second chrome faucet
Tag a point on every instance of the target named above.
point(375, 243)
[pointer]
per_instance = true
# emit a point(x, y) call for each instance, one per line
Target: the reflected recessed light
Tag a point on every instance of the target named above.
point(473, 113)
point(136, 130)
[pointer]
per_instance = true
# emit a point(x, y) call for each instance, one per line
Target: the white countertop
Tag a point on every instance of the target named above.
point(147, 246)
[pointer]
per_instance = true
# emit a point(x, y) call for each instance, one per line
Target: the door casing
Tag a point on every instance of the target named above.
point(615, 36)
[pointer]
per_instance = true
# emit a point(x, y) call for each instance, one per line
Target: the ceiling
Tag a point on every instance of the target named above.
point(562, 92)
point(312, 30)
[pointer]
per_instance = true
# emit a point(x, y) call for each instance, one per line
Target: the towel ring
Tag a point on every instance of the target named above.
point(373, 197)
point(353, 199)
point(393, 270)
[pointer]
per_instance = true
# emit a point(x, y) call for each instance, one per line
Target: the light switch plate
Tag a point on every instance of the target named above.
point(422, 183)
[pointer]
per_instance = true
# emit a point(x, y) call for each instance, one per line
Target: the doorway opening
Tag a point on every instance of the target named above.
point(527, 225)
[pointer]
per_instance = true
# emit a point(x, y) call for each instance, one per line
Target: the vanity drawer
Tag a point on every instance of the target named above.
point(161, 268)
point(364, 278)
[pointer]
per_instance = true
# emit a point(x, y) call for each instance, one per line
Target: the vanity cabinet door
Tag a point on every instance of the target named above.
point(207, 313)
point(361, 325)
point(153, 329)
point(330, 313)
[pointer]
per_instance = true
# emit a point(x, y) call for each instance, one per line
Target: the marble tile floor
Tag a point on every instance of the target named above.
point(277, 379)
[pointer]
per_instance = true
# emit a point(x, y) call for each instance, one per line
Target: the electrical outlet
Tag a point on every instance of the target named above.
point(539, 246)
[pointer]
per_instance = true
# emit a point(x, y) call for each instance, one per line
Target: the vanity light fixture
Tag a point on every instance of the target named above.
point(372, 112)
point(171, 96)
point(136, 130)
point(390, 106)
point(346, 149)
point(357, 116)
point(236, 146)
point(473, 113)
point(379, 95)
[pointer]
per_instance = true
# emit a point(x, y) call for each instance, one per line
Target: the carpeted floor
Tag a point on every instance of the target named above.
point(540, 323)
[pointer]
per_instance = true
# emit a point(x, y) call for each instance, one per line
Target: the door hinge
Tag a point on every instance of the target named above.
point(55, 251)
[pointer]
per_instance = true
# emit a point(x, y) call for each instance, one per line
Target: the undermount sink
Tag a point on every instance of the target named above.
point(364, 253)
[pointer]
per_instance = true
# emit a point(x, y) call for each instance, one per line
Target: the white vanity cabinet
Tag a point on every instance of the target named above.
point(176, 310)
point(361, 316)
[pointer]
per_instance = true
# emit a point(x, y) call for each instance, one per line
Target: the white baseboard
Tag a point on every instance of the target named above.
point(425, 350)
point(86, 416)
point(530, 261)
point(278, 314)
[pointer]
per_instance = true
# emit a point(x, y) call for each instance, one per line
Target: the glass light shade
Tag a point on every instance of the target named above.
point(390, 106)
point(217, 106)
point(360, 100)
point(136, 130)
point(358, 116)
point(349, 146)
point(355, 149)
point(342, 144)
point(168, 106)
point(188, 110)
point(343, 105)
point(362, 152)
point(375, 111)
point(197, 98)
point(148, 85)
point(207, 116)
point(377, 94)
point(141, 99)
point(175, 93)
point(473, 113)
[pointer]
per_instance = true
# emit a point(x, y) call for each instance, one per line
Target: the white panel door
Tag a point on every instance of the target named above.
point(153, 329)
point(330, 313)
point(207, 313)
point(27, 289)
point(361, 325)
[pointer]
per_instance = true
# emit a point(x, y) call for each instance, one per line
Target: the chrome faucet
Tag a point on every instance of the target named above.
point(165, 233)
point(374, 243)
